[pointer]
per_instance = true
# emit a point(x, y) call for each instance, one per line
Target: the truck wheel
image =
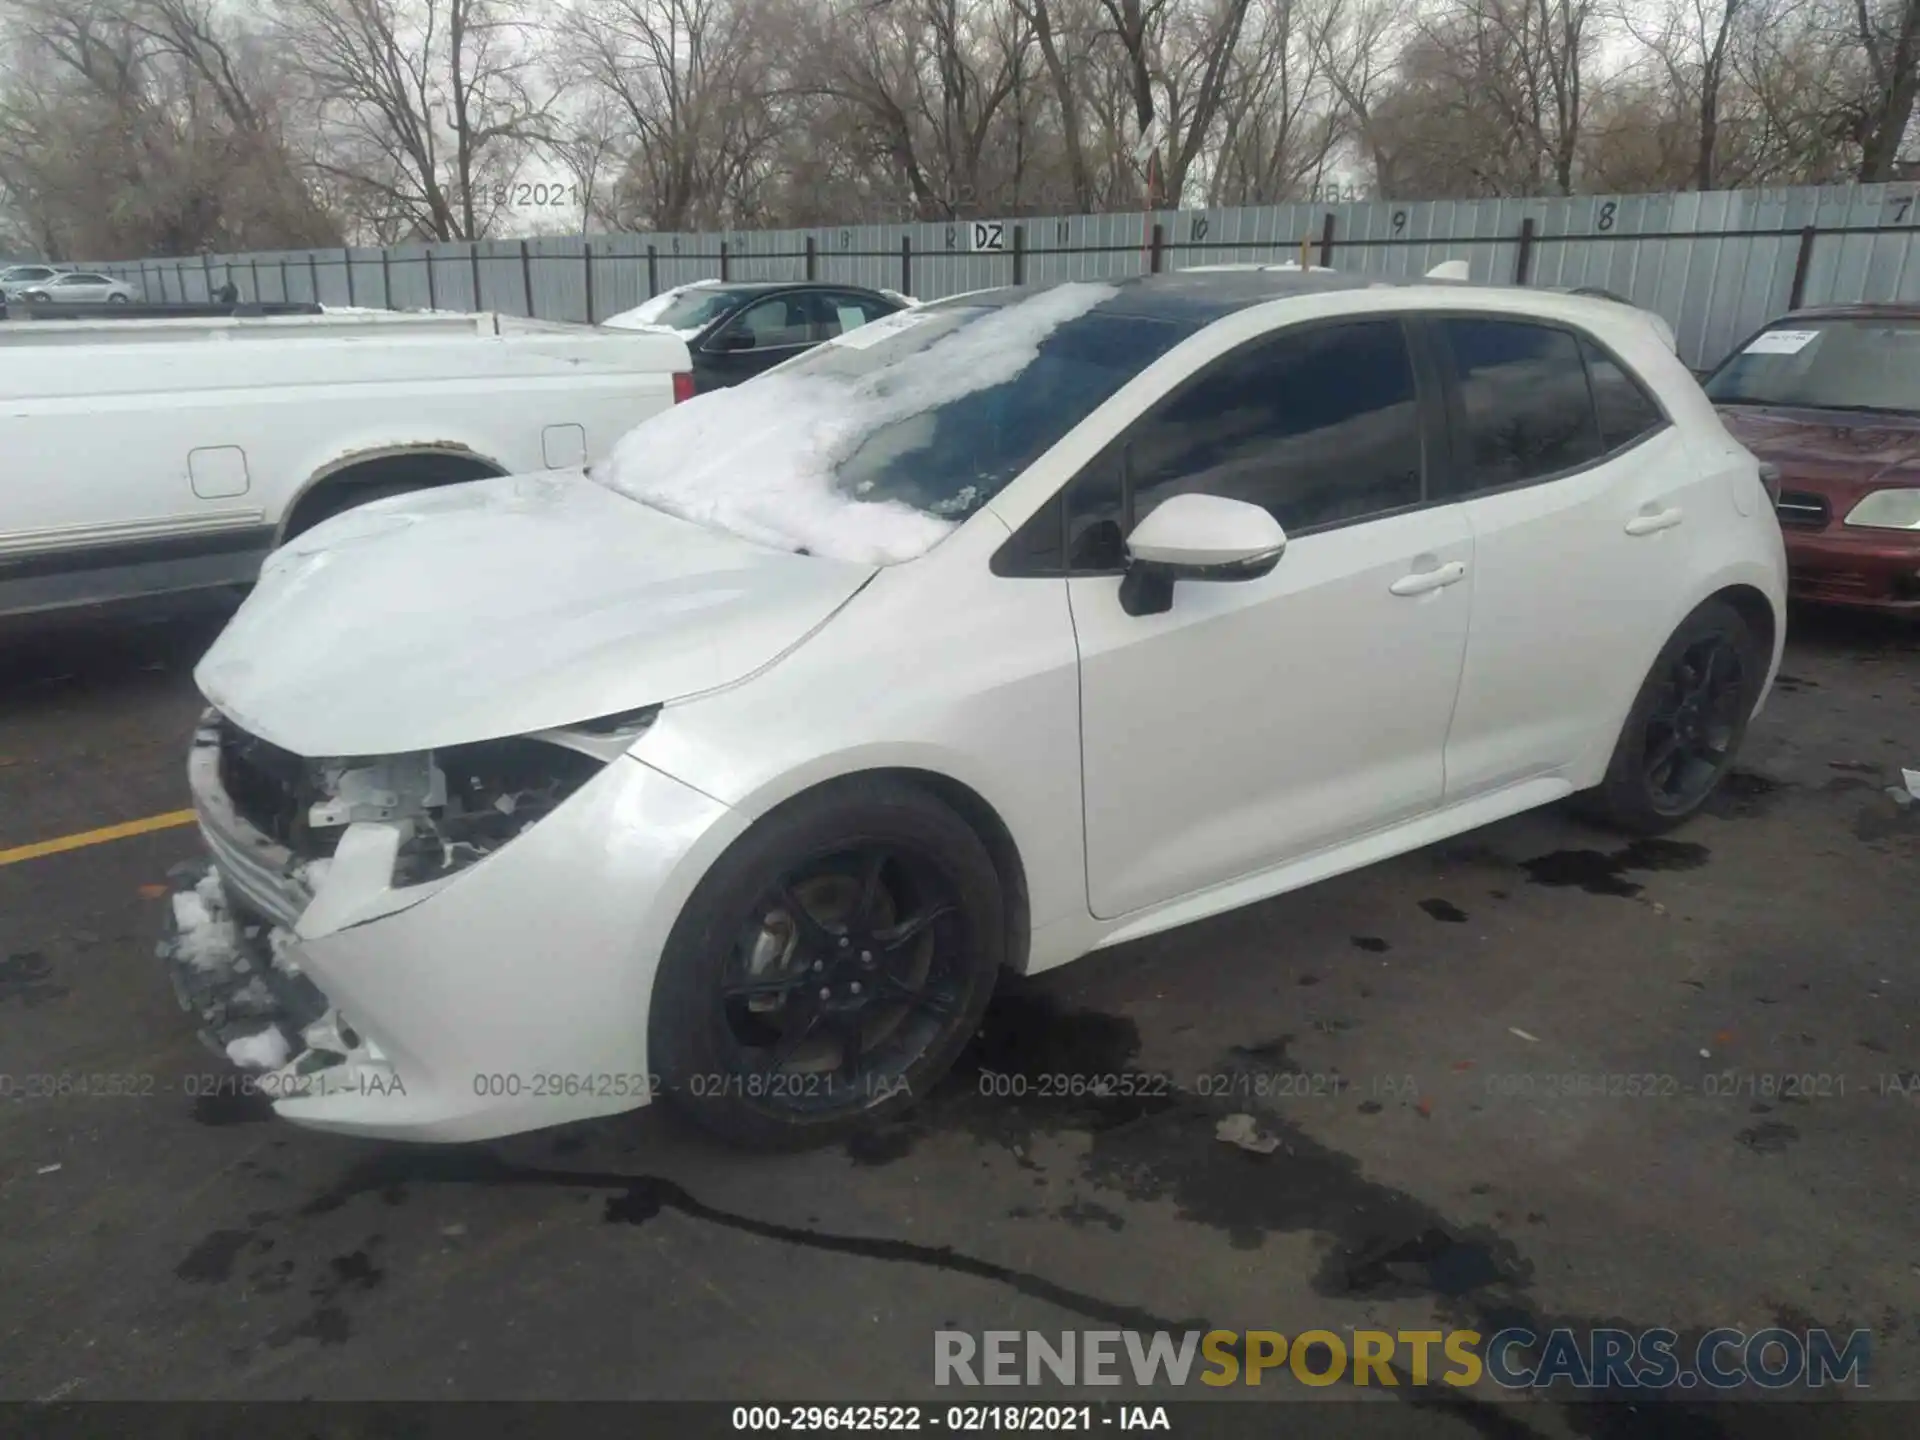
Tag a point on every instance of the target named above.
point(1686, 724)
point(829, 968)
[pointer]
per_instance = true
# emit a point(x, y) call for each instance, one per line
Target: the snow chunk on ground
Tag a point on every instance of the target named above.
point(281, 943)
point(759, 460)
point(209, 940)
point(266, 1051)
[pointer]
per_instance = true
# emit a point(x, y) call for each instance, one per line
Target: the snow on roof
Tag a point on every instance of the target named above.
point(758, 460)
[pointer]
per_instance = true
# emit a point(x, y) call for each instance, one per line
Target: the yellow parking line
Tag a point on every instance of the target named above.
point(168, 821)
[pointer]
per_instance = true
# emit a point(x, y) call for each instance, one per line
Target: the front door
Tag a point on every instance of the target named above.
point(1258, 721)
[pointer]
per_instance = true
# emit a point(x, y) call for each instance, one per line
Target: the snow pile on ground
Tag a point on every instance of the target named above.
point(209, 940)
point(280, 943)
point(267, 1050)
point(759, 460)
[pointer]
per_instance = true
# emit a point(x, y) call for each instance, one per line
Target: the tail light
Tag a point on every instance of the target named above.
point(682, 387)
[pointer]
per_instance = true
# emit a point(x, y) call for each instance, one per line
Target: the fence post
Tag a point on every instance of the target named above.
point(253, 263)
point(313, 275)
point(433, 299)
point(724, 275)
point(653, 271)
point(906, 264)
point(473, 258)
point(526, 278)
point(1326, 240)
point(1019, 255)
point(206, 266)
point(1801, 263)
point(346, 259)
point(586, 256)
point(813, 260)
point(1156, 248)
point(286, 292)
point(164, 297)
point(1523, 258)
point(386, 278)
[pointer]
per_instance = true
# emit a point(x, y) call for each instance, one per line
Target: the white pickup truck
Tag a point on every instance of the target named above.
point(142, 457)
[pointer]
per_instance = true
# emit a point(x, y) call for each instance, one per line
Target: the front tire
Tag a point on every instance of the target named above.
point(116, 299)
point(1686, 724)
point(830, 967)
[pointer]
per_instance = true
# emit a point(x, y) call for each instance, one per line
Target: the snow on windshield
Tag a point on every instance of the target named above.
point(759, 460)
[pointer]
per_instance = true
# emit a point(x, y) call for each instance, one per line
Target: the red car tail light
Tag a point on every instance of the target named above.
point(682, 387)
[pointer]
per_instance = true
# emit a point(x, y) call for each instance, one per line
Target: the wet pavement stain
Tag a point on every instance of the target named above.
point(1372, 944)
point(1082, 1213)
point(1769, 1137)
point(328, 1325)
point(231, 1107)
point(1444, 910)
point(1430, 1262)
point(211, 1261)
point(24, 979)
point(1742, 795)
point(1601, 872)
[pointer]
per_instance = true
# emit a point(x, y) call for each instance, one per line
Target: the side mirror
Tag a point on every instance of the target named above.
point(1197, 537)
point(734, 340)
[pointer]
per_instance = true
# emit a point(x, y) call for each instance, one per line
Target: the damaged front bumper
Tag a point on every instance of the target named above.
point(508, 996)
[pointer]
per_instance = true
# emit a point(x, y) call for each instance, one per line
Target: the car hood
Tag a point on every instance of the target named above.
point(498, 608)
point(1832, 451)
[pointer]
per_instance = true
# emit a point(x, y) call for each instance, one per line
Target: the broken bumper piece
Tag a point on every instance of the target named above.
point(509, 996)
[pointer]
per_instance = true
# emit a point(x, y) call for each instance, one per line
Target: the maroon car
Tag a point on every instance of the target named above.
point(1831, 399)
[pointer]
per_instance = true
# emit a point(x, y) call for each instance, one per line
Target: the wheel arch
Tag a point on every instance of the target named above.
point(437, 462)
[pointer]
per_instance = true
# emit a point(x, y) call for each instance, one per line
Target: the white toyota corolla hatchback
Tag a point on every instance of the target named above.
point(987, 635)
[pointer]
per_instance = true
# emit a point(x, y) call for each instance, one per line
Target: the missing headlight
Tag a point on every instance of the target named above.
point(495, 790)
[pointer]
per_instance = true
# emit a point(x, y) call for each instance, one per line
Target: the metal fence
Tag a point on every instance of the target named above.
point(1716, 265)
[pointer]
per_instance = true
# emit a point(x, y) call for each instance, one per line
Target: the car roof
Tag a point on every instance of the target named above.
point(1196, 298)
point(773, 287)
point(1864, 311)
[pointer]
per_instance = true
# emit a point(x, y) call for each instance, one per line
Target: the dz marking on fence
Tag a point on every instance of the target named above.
point(989, 235)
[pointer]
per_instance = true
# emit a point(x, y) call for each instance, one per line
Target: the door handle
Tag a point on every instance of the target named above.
point(1438, 578)
point(1647, 524)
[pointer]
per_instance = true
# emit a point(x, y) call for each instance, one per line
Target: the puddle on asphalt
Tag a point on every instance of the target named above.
point(1601, 872)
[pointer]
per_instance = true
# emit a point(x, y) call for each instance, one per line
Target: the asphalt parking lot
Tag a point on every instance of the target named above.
point(1401, 1033)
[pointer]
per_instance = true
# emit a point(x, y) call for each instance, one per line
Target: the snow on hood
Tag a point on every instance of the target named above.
point(758, 460)
point(498, 608)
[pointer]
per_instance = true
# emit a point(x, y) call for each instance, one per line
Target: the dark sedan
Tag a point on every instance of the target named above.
point(1831, 398)
point(735, 331)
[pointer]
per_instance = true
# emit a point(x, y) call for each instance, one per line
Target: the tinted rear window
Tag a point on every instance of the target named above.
point(1524, 402)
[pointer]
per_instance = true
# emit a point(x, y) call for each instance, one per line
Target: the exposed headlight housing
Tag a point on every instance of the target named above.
point(1888, 510)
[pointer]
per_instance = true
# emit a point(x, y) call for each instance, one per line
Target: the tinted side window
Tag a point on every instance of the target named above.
point(1524, 402)
point(780, 321)
point(1319, 427)
point(1626, 411)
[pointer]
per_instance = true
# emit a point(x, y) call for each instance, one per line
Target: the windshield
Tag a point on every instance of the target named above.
point(1841, 364)
point(698, 308)
point(875, 446)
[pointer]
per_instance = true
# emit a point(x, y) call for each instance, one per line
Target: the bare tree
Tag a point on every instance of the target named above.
point(148, 126)
point(428, 106)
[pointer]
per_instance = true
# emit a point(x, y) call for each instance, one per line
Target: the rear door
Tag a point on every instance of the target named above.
point(1584, 506)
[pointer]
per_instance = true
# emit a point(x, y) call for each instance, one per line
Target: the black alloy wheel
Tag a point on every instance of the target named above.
point(829, 967)
point(848, 976)
point(1685, 728)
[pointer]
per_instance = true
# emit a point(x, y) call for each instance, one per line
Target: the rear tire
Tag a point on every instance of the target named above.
point(830, 967)
point(116, 299)
point(1686, 724)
